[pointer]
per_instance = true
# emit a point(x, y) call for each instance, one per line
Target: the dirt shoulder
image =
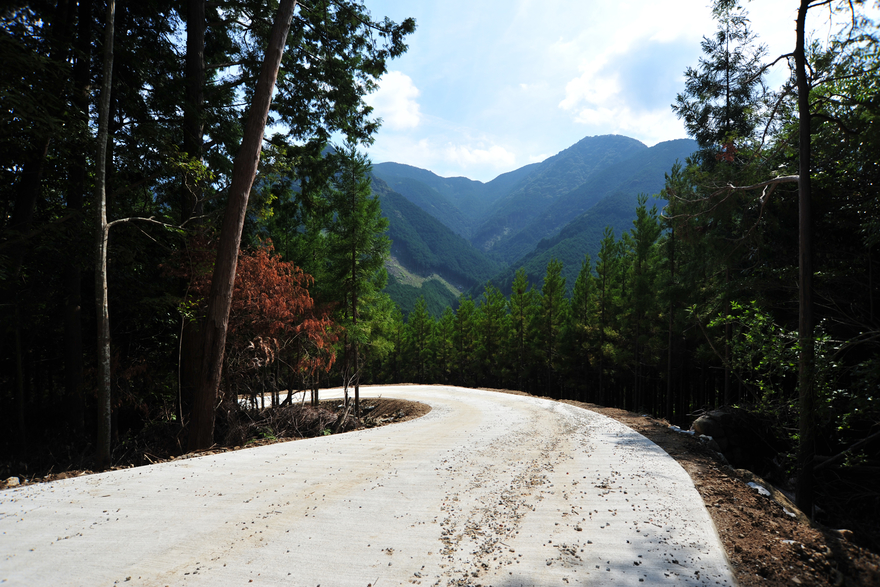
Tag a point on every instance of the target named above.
point(767, 539)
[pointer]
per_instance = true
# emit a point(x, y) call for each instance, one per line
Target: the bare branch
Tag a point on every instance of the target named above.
point(150, 220)
point(775, 180)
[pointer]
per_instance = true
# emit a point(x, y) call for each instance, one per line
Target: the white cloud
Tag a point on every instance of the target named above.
point(649, 126)
point(494, 156)
point(395, 101)
point(590, 87)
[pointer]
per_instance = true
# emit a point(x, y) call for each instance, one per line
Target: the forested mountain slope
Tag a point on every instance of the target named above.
point(457, 202)
point(555, 200)
point(432, 202)
point(467, 195)
point(553, 178)
point(422, 246)
point(582, 236)
point(644, 172)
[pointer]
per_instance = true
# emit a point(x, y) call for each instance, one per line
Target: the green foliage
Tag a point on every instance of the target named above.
point(493, 324)
point(548, 321)
point(437, 296)
point(465, 339)
point(417, 336)
point(721, 103)
point(168, 167)
point(546, 184)
point(762, 351)
point(424, 246)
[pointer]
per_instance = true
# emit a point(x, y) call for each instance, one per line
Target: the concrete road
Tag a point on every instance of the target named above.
point(487, 489)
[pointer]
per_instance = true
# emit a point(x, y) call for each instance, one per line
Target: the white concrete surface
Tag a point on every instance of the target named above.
point(487, 489)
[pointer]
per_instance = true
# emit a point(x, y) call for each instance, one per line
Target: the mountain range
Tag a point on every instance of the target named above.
point(452, 235)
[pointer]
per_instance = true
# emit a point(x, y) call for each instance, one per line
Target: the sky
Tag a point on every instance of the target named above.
point(488, 86)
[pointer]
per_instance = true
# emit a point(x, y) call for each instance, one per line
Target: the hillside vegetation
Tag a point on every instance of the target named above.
point(549, 199)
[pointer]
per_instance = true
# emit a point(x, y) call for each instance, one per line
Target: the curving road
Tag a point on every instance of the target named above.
point(487, 489)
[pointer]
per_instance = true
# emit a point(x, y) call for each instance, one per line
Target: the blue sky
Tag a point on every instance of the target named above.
point(488, 86)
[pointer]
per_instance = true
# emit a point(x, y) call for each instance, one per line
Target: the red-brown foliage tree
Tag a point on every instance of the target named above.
point(273, 320)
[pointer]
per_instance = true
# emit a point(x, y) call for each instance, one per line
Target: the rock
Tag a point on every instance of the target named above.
point(842, 533)
point(744, 438)
point(13, 482)
point(710, 442)
point(708, 425)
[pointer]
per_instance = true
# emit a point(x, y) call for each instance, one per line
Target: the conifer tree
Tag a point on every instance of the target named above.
point(721, 102)
point(442, 347)
point(465, 341)
point(418, 334)
point(358, 248)
point(643, 236)
point(521, 308)
point(606, 270)
point(492, 327)
point(579, 334)
point(548, 322)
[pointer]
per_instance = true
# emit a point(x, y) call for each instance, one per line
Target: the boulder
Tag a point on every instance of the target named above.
point(745, 439)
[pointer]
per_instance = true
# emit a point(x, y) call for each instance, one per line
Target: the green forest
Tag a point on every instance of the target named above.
point(189, 219)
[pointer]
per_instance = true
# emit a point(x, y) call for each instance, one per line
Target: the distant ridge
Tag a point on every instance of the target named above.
point(454, 234)
point(643, 172)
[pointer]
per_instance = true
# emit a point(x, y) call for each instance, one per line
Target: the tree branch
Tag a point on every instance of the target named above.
point(776, 180)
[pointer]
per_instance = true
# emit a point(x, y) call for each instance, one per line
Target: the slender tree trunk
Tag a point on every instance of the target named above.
point(356, 373)
point(20, 420)
point(602, 336)
point(727, 337)
point(806, 392)
point(195, 98)
point(223, 280)
point(101, 236)
point(73, 353)
point(669, 385)
point(870, 286)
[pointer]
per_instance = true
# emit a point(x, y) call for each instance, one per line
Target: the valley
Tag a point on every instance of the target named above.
point(450, 236)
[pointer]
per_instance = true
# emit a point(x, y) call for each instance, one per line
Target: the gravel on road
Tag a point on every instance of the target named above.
point(486, 489)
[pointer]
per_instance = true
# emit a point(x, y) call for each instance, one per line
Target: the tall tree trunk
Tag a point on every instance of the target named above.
point(30, 182)
point(73, 353)
point(669, 385)
point(193, 125)
point(20, 420)
point(222, 282)
point(101, 237)
point(354, 318)
point(806, 392)
point(727, 337)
